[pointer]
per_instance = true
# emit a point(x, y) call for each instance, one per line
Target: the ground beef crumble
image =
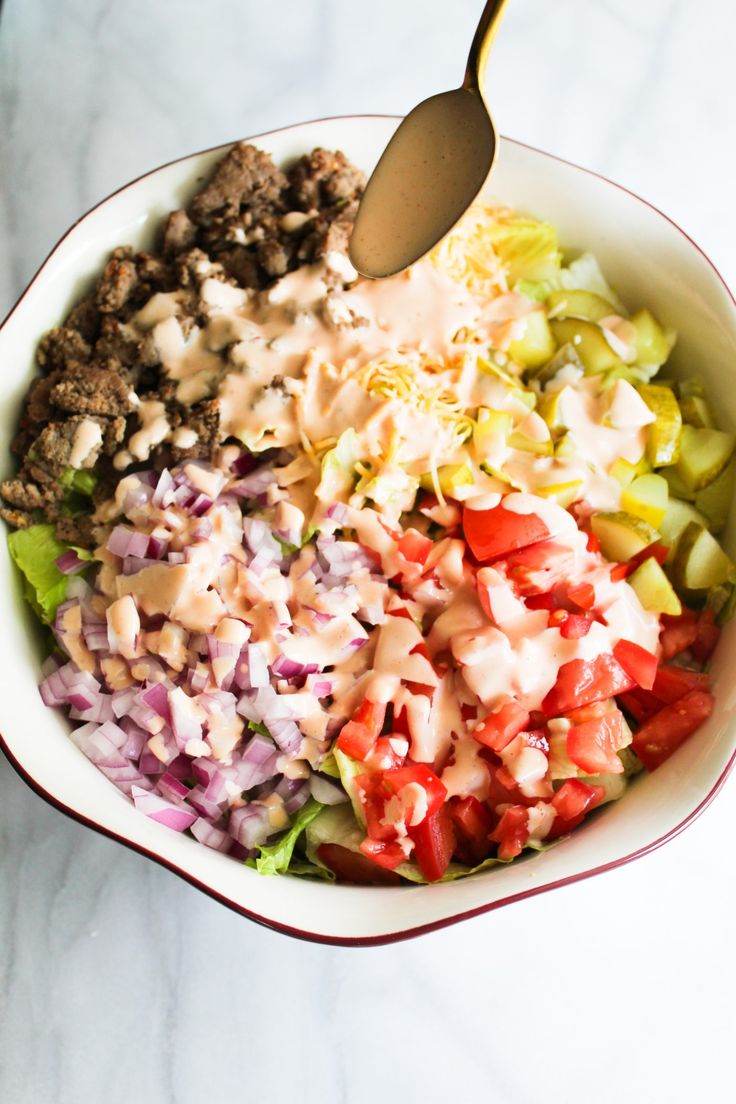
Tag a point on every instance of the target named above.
point(249, 225)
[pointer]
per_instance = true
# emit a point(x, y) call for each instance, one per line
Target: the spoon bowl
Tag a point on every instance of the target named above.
point(432, 169)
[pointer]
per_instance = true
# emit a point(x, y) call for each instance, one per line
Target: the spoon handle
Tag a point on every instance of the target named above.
point(485, 33)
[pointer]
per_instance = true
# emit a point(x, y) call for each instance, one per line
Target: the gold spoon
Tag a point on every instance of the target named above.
point(432, 169)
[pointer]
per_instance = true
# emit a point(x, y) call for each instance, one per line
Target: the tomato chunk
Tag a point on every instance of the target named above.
point(572, 801)
point(434, 843)
point(352, 866)
point(672, 683)
point(393, 781)
point(496, 532)
point(663, 733)
point(592, 745)
point(373, 803)
point(512, 832)
point(359, 735)
point(639, 703)
point(637, 662)
point(473, 823)
point(498, 729)
point(575, 626)
point(387, 855)
point(707, 636)
point(582, 596)
point(582, 681)
point(678, 633)
point(414, 546)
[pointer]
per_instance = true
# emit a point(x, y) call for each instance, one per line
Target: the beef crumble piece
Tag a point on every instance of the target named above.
point(250, 224)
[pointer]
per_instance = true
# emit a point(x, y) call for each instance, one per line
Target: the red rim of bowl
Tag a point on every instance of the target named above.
point(435, 925)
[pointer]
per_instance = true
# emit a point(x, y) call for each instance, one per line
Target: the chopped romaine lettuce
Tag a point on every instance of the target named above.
point(35, 551)
point(582, 274)
point(83, 481)
point(338, 468)
point(527, 247)
point(275, 859)
point(349, 769)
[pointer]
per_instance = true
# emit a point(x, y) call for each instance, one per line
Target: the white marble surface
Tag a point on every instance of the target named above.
point(117, 981)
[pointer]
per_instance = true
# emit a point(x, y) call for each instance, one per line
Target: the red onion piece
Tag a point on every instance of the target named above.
point(172, 816)
point(210, 836)
point(69, 563)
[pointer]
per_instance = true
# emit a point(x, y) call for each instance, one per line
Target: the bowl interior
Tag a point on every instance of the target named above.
point(650, 262)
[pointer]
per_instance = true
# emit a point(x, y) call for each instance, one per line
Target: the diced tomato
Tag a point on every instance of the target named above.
point(619, 572)
point(639, 703)
point(537, 738)
point(496, 532)
point(663, 733)
point(541, 601)
point(575, 626)
point(672, 683)
point(678, 633)
point(708, 635)
point(582, 681)
point(359, 735)
point(373, 803)
point(637, 662)
point(512, 832)
point(473, 823)
point(575, 797)
point(498, 729)
point(592, 745)
point(582, 596)
point(387, 855)
point(656, 551)
point(352, 866)
point(434, 843)
point(414, 546)
point(393, 781)
point(593, 545)
point(384, 755)
point(572, 801)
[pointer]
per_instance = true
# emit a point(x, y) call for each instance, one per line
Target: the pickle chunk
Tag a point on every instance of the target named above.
point(646, 498)
point(579, 304)
point(700, 563)
point(704, 453)
point(663, 437)
point(653, 589)
point(622, 535)
point(587, 339)
point(536, 344)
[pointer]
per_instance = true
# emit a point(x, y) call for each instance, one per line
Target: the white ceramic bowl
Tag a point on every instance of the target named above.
point(651, 262)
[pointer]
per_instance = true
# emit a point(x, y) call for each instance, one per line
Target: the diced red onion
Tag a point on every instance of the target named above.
point(210, 836)
point(99, 710)
point(156, 697)
point(205, 806)
point(326, 790)
point(251, 669)
point(122, 700)
point(287, 735)
point(253, 485)
point(250, 825)
point(69, 563)
point(257, 763)
point(156, 547)
point(127, 542)
point(244, 464)
point(200, 505)
point(337, 512)
point(136, 739)
point(176, 557)
point(163, 493)
point(175, 817)
point(173, 789)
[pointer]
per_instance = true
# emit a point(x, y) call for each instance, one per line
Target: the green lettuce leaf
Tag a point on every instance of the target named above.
point(348, 769)
point(584, 274)
point(35, 551)
point(527, 247)
point(275, 859)
point(81, 481)
point(338, 468)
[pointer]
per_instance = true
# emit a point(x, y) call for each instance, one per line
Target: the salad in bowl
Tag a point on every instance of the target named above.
point(368, 581)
